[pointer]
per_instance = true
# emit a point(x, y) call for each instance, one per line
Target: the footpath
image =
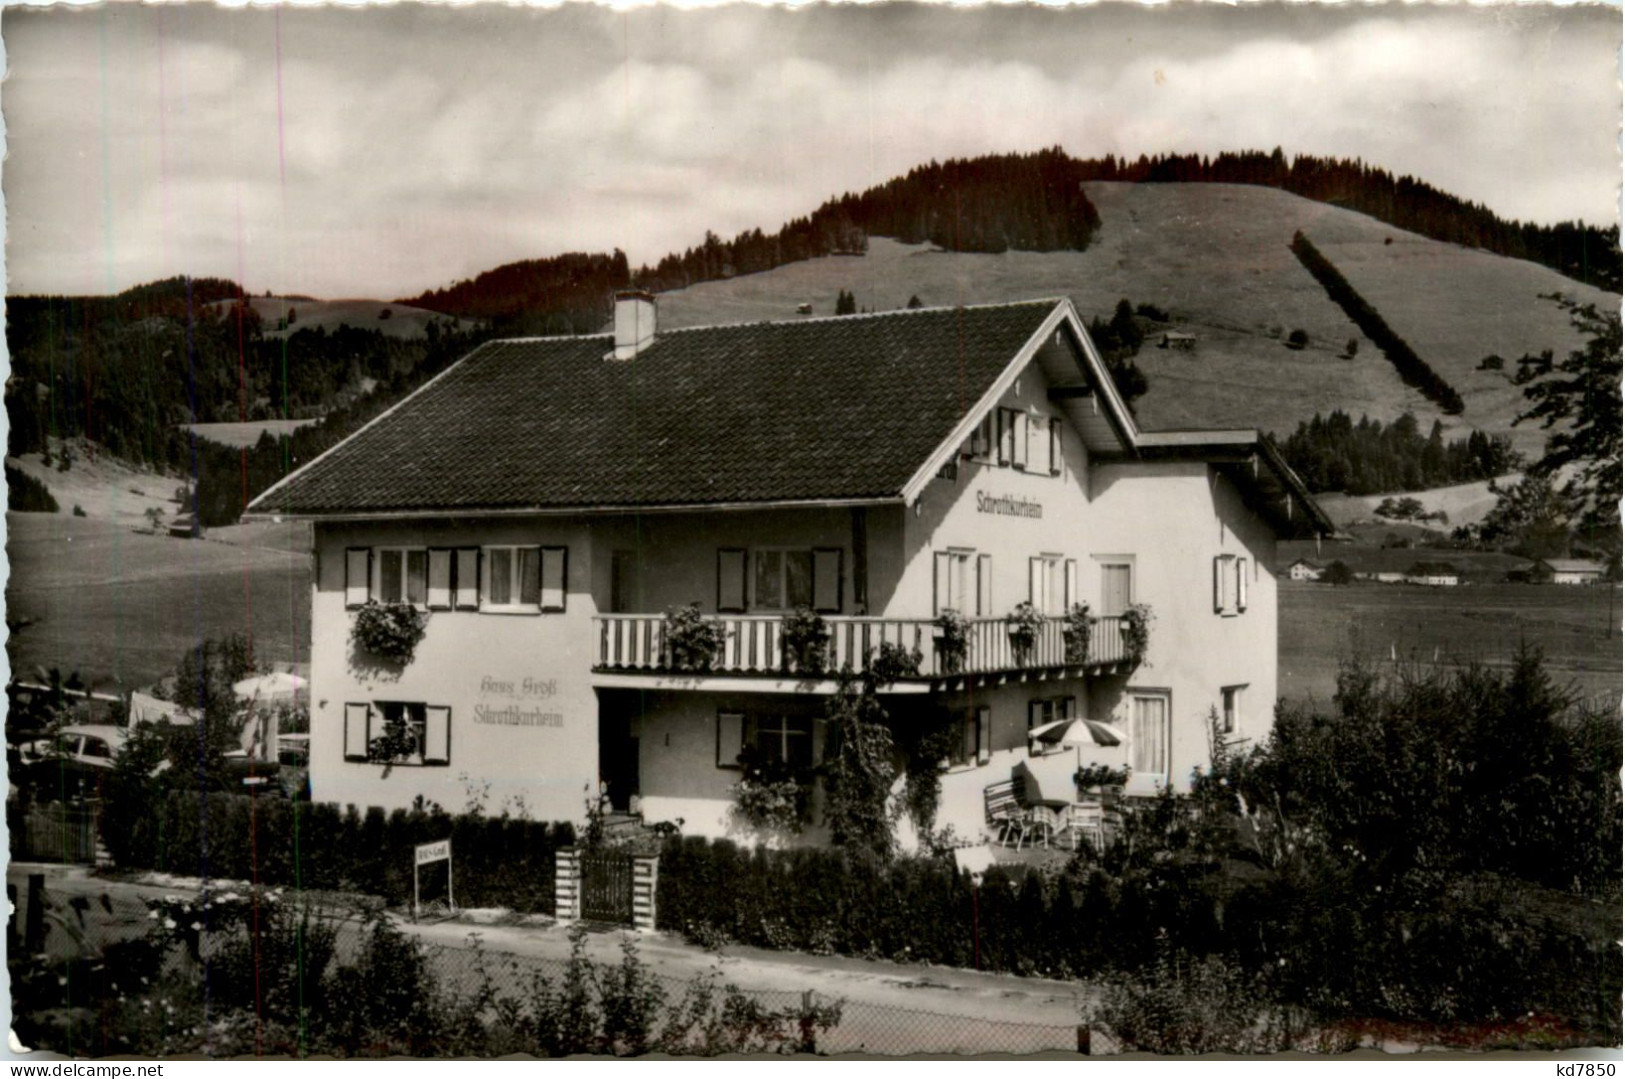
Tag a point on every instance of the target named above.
point(962, 1010)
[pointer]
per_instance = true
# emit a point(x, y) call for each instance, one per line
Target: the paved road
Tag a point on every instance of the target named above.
point(890, 1007)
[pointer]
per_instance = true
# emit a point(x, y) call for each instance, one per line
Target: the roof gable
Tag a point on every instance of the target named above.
point(810, 410)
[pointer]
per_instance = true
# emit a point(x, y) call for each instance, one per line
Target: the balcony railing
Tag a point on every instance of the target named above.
point(753, 644)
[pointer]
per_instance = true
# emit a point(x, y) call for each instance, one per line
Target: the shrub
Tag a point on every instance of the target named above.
point(1297, 340)
point(1079, 626)
point(693, 641)
point(25, 494)
point(389, 631)
point(1137, 631)
point(952, 631)
point(804, 637)
point(770, 801)
point(1024, 623)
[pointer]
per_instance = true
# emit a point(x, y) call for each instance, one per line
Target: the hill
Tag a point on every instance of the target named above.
point(1216, 258)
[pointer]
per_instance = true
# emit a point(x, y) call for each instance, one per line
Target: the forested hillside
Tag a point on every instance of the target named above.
point(127, 372)
point(1026, 202)
point(1335, 453)
point(1584, 252)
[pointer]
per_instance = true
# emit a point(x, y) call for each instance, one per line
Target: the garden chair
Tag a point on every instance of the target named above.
point(1085, 820)
point(1004, 810)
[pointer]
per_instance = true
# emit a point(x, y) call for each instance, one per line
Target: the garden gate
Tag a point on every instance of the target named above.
point(606, 887)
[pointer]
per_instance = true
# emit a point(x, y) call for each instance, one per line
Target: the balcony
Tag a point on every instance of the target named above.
point(632, 648)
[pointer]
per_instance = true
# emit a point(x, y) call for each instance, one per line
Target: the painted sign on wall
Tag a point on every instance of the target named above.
point(1008, 505)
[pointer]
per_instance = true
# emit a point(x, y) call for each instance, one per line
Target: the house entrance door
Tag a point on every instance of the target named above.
point(617, 757)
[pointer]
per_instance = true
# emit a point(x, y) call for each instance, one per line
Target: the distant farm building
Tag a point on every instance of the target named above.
point(803, 308)
point(1184, 342)
point(1382, 577)
point(1569, 571)
point(1305, 570)
point(1433, 574)
point(184, 526)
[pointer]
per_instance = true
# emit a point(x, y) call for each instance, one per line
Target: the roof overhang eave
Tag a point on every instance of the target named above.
point(473, 513)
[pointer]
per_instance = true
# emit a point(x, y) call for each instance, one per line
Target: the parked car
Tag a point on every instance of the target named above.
point(75, 762)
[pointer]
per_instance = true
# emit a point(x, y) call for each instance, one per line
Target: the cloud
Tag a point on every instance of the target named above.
point(399, 149)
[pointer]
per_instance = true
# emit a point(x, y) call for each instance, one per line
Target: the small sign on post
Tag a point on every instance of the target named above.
point(427, 854)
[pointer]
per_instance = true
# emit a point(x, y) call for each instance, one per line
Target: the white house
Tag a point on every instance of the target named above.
point(1433, 574)
point(546, 501)
point(1569, 571)
point(1305, 570)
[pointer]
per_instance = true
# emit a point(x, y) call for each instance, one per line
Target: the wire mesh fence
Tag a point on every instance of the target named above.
point(60, 928)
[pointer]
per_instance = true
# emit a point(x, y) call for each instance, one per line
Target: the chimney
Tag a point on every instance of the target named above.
point(634, 323)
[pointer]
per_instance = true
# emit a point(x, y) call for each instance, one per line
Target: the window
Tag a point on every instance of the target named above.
point(1049, 709)
point(975, 743)
point(1116, 587)
point(784, 579)
point(1052, 585)
point(524, 579)
point(1229, 584)
point(513, 577)
point(1055, 446)
point(429, 727)
point(1230, 713)
point(964, 582)
point(402, 575)
point(778, 738)
point(1148, 734)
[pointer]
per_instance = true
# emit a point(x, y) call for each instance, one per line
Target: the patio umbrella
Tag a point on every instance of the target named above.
point(1079, 732)
point(279, 686)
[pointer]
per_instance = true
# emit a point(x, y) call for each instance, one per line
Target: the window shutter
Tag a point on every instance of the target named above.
point(439, 579)
point(984, 734)
point(555, 563)
point(1218, 585)
point(942, 577)
point(1071, 583)
point(984, 585)
point(827, 580)
point(468, 578)
point(1006, 434)
point(357, 576)
point(1241, 584)
point(730, 739)
point(436, 734)
point(1035, 713)
point(730, 579)
point(1055, 446)
point(1035, 582)
point(1018, 420)
point(355, 732)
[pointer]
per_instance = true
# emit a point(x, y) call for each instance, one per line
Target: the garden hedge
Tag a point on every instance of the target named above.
point(498, 861)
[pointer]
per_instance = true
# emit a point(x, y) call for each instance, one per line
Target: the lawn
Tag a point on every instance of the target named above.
point(121, 608)
point(1579, 629)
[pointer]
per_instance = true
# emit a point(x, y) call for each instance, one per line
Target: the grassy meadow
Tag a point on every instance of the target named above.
point(1320, 625)
point(1215, 257)
point(92, 595)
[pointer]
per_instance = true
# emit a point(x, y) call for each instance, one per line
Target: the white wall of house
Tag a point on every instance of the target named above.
point(523, 719)
point(1176, 519)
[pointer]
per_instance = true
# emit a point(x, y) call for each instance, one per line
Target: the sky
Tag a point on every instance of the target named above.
point(382, 151)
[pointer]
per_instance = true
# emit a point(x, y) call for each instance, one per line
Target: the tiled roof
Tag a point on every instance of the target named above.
point(1574, 565)
point(825, 409)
